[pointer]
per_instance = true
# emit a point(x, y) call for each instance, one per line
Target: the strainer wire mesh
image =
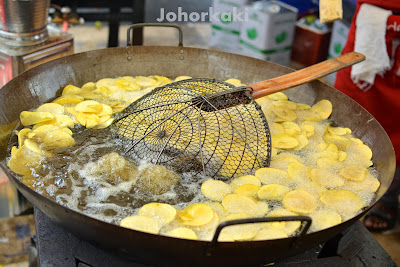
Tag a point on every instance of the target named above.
point(180, 125)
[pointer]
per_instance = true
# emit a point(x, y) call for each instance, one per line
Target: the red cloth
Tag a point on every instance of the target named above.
point(382, 100)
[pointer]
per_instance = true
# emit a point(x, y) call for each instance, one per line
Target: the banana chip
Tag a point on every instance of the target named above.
point(272, 176)
point(283, 141)
point(145, 81)
point(326, 178)
point(338, 130)
point(283, 114)
point(353, 173)
point(300, 201)
point(68, 100)
point(323, 108)
point(71, 90)
point(297, 171)
point(235, 82)
point(243, 180)
point(303, 141)
point(30, 118)
point(272, 192)
point(162, 213)
point(247, 190)
point(22, 135)
point(57, 139)
point(234, 203)
point(341, 142)
point(342, 200)
point(88, 120)
point(24, 161)
point(89, 106)
point(140, 223)
point(54, 108)
point(290, 128)
point(196, 214)
point(215, 190)
point(278, 96)
point(369, 184)
point(182, 232)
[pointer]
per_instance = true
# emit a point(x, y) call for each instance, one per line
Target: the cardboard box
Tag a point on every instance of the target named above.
point(15, 238)
point(225, 32)
point(268, 33)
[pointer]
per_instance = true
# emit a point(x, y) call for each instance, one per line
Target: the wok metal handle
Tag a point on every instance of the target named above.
point(303, 219)
point(129, 37)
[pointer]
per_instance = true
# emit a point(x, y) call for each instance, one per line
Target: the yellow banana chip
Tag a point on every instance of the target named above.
point(297, 171)
point(308, 129)
point(182, 232)
point(123, 83)
point(145, 81)
point(300, 201)
point(22, 135)
point(71, 90)
point(88, 120)
point(337, 130)
point(106, 111)
point(278, 96)
point(342, 200)
point(369, 184)
point(30, 118)
point(57, 139)
point(162, 213)
point(291, 128)
point(247, 190)
point(283, 114)
point(235, 82)
point(24, 161)
point(276, 128)
point(283, 141)
point(303, 141)
point(326, 178)
point(272, 192)
point(341, 142)
point(323, 108)
point(90, 86)
point(89, 106)
point(215, 190)
point(272, 176)
point(196, 214)
point(246, 179)
point(301, 106)
point(68, 100)
point(286, 104)
point(353, 173)
point(140, 223)
point(234, 203)
point(308, 115)
point(54, 108)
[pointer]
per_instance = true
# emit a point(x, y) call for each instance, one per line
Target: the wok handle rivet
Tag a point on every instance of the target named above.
point(129, 58)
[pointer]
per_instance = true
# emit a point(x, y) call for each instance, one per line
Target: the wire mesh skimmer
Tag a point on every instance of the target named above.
point(209, 126)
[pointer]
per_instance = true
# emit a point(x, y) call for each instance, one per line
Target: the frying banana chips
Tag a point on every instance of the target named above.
point(317, 169)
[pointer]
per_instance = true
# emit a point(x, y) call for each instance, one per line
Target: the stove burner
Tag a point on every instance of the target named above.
point(353, 247)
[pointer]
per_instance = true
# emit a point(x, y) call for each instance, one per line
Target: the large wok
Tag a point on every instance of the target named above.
point(42, 83)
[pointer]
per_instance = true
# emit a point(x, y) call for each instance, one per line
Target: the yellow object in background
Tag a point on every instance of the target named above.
point(330, 10)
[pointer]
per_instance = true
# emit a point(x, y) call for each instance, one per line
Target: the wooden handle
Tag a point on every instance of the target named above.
point(305, 75)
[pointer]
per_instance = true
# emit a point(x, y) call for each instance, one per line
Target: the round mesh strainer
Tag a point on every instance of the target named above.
point(197, 124)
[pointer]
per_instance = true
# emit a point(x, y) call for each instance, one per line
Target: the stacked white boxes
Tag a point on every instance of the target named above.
point(268, 33)
point(225, 31)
